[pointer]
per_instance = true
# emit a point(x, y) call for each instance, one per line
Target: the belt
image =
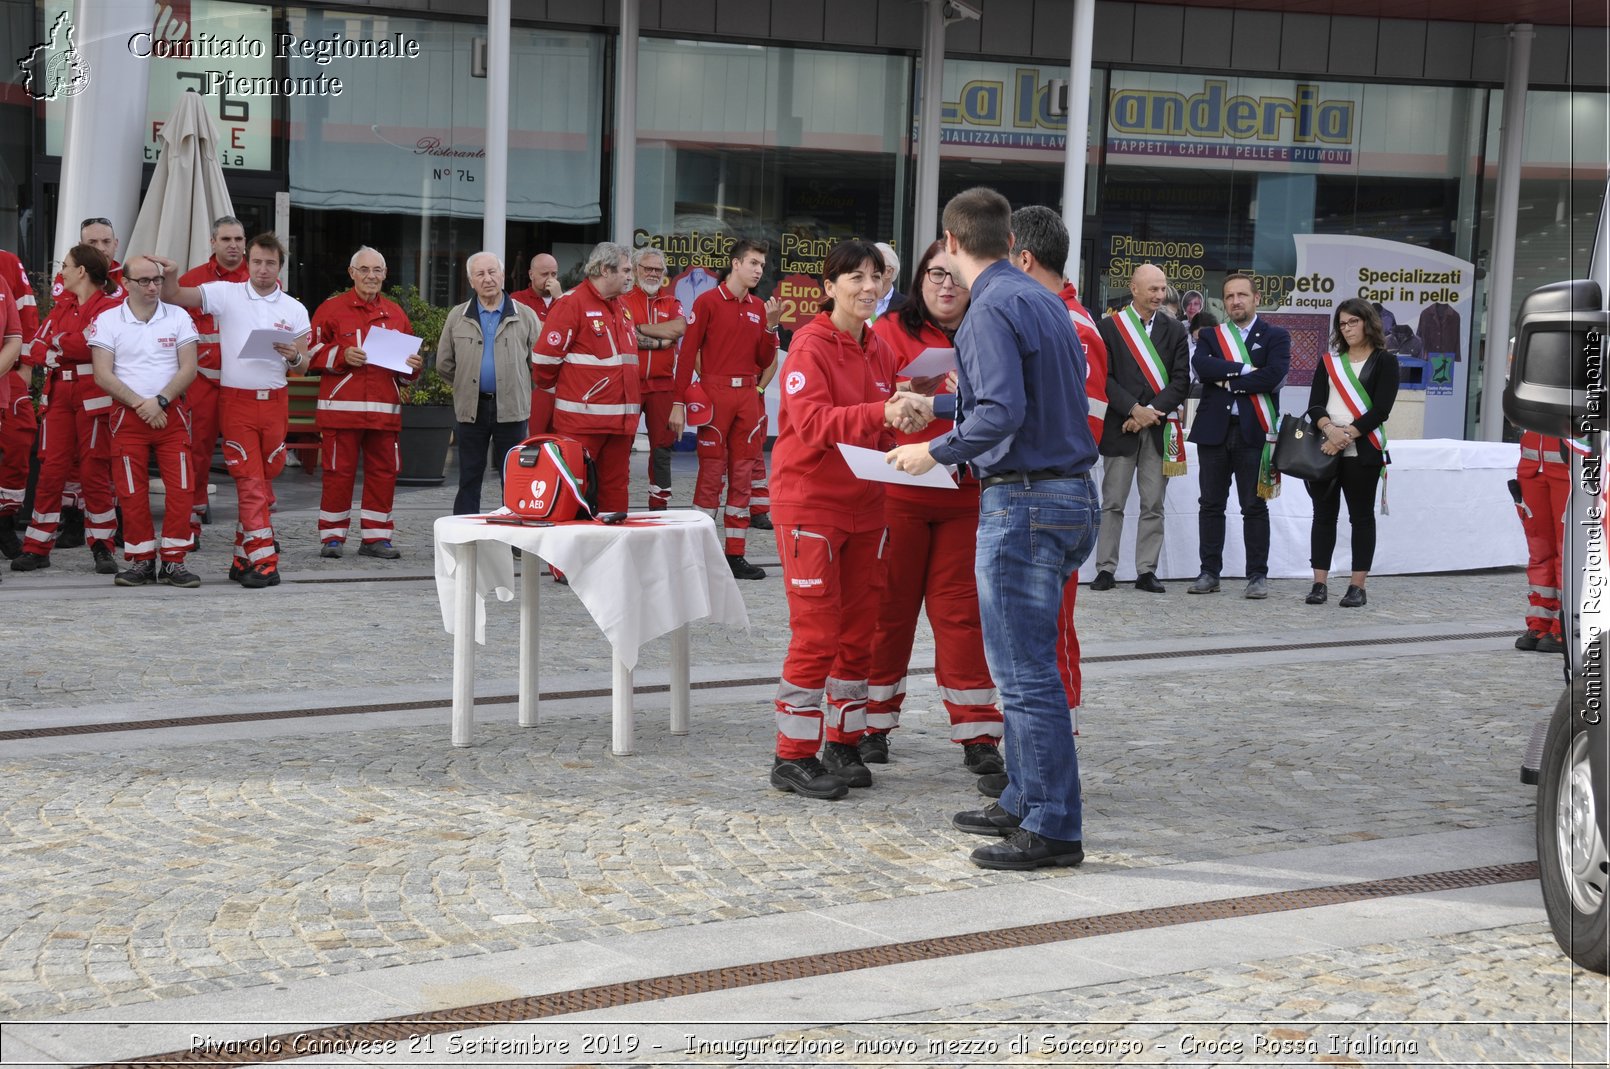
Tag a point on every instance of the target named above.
point(68, 372)
point(737, 381)
point(1024, 477)
point(489, 397)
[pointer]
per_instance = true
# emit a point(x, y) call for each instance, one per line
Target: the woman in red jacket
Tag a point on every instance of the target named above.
point(933, 533)
point(73, 431)
point(838, 386)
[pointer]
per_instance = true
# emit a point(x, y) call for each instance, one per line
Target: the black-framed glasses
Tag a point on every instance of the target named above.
point(154, 280)
point(95, 220)
point(938, 275)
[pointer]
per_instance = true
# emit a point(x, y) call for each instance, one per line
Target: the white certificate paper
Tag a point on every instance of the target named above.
point(260, 345)
point(930, 362)
point(389, 348)
point(869, 464)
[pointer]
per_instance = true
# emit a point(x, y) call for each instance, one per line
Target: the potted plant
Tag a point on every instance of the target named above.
point(427, 401)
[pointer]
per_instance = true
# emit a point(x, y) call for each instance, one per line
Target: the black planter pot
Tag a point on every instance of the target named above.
point(427, 431)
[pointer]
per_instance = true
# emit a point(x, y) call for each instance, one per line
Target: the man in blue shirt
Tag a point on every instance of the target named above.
point(1022, 426)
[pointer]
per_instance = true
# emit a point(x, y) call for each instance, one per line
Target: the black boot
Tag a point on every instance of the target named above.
point(10, 544)
point(71, 533)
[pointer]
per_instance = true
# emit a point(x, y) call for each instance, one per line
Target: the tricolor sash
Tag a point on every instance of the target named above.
point(1155, 372)
point(1344, 380)
point(1234, 348)
point(1580, 446)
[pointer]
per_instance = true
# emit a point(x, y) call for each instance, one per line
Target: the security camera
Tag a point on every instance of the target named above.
point(957, 11)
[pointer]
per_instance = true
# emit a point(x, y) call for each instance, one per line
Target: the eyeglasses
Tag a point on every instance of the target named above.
point(938, 276)
point(95, 220)
point(370, 271)
point(651, 270)
point(155, 280)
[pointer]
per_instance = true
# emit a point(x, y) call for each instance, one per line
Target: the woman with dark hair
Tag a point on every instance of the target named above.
point(1351, 398)
point(73, 432)
point(838, 386)
point(933, 533)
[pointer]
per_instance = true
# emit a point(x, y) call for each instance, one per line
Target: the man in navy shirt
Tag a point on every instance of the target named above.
point(1022, 425)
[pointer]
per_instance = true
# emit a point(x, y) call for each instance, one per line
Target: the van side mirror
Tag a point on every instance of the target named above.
point(1557, 381)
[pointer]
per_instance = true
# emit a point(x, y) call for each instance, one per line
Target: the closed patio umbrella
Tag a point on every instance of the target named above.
point(187, 191)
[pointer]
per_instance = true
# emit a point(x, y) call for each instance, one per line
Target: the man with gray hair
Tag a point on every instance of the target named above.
point(889, 298)
point(226, 264)
point(660, 323)
point(359, 414)
point(485, 352)
point(587, 355)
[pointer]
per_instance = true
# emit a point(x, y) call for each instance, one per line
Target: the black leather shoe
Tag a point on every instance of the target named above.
point(1026, 850)
point(10, 544)
point(805, 775)
point(1354, 598)
point(874, 748)
point(1147, 581)
point(1550, 643)
point(742, 569)
point(105, 564)
point(1528, 640)
point(71, 533)
point(30, 562)
point(139, 573)
point(1318, 595)
point(760, 521)
point(991, 820)
point(844, 761)
point(1103, 581)
point(982, 758)
point(992, 786)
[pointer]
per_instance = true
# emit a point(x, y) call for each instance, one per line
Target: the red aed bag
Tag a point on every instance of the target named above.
point(550, 477)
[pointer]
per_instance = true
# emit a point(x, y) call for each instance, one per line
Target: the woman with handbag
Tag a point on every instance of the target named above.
point(1352, 396)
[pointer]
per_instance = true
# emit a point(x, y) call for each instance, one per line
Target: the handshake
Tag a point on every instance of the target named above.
point(908, 412)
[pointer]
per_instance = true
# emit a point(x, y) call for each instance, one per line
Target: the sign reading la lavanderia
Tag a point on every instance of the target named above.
point(321, 50)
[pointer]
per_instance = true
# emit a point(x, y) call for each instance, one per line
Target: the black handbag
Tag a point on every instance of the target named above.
point(1297, 451)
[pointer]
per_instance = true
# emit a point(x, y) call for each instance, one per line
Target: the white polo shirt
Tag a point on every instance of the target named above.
point(145, 356)
point(239, 310)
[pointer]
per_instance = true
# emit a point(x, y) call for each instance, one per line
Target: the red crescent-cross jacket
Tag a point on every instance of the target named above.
point(22, 289)
point(656, 366)
point(208, 358)
point(62, 347)
point(833, 391)
point(355, 398)
point(1095, 359)
point(587, 355)
point(905, 349)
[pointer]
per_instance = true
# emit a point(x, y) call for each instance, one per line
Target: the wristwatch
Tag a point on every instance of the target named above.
point(163, 402)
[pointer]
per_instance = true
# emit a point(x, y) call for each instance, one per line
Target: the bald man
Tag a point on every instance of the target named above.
point(1148, 377)
point(545, 288)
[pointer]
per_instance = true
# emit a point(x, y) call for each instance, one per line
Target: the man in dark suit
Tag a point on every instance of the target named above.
point(1148, 377)
point(1241, 364)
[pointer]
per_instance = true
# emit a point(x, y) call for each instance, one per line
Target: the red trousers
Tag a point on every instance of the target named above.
point(1068, 649)
point(932, 563)
point(759, 488)
point(612, 456)
point(202, 397)
point(541, 419)
point(253, 425)
point(133, 443)
point(19, 426)
point(656, 419)
point(341, 450)
point(834, 580)
point(72, 440)
point(1546, 493)
point(726, 450)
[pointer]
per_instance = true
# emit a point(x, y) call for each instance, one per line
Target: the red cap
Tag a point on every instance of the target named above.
point(698, 409)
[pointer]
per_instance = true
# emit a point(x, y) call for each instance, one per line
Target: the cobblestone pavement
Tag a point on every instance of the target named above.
point(154, 865)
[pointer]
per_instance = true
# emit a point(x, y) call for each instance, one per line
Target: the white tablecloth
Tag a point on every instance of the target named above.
point(639, 580)
point(1450, 511)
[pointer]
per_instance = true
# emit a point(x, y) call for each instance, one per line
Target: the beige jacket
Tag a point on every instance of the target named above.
point(458, 359)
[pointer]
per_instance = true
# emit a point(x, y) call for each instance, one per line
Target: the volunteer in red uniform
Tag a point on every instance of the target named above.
point(1545, 477)
point(539, 297)
point(19, 427)
point(252, 404)
point(1040, 250)
point(838, 387)
point(145, 357)
point(74, 432)
point(932, 536)
point(227, 264)
point(657, 315)
point(97, 233)
point(731, 339)
point(588, 355)
point(359, 414)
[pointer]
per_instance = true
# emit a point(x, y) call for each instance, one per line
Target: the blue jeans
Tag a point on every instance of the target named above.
point(1031, 538)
